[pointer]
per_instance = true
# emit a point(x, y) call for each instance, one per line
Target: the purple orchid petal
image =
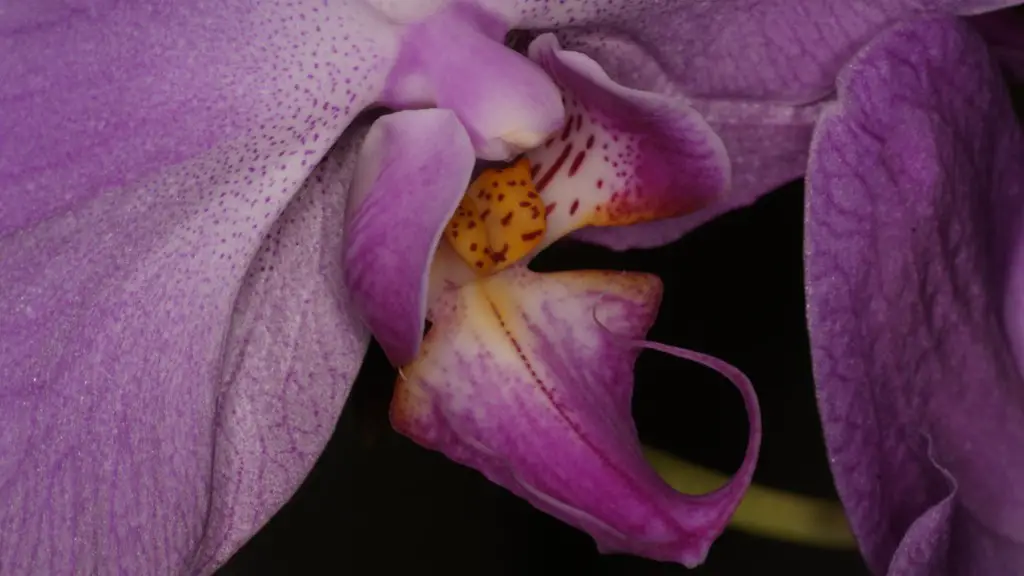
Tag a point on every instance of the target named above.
point(914, 283)
point(89, 103)
point(623, 156)
point(174, 351)
point(413, 171)
point(528, 377)
point(762, 50)
point(456, 59)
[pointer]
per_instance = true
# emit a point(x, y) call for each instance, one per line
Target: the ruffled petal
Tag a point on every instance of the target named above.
point(915, 279)
point(624, 156)
point(456, 59)
point(528, 378)
point(173, 352)
point(413, 171)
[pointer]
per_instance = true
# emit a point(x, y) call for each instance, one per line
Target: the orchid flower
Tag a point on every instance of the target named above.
point(525, 376)
point(176, 333)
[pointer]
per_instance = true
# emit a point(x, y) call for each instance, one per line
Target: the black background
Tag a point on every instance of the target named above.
point(377, 504)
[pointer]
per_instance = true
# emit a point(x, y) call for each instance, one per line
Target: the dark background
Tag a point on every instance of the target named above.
point(377, 504)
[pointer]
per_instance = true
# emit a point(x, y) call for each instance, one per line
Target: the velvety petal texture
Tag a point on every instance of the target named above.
point(528, 378)
point(623, 156)
point(413, 171)
point(175, 349)
point(456, 59)
point(914, 267)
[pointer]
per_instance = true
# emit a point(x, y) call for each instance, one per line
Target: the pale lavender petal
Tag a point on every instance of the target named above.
point(528, 378)
point(914, 285)
point(413, 171)
point(292, 352)
point(174, 351)
point(456, 59)
point(624, 156)
point(770, 50)
point(99, 96)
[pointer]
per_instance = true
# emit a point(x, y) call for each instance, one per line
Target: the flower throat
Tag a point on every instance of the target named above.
point(500, 220)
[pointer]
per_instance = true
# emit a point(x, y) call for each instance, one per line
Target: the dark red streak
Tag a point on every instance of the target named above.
point(546, 178)
point(576, 162)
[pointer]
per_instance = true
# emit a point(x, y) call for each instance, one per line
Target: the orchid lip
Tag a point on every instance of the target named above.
point(492, 387)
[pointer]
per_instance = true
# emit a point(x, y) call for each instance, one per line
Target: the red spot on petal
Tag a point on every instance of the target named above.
point(485, 214)
point(534, 170)
point(471, 224)
point(472, 247)
point(500, 256)
point(600, 184)
point(506, 219)
point(575, 206)
point(590, 142)
point(524, 204)
point(531, 235)
point(501, 197)
point(550, 208)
